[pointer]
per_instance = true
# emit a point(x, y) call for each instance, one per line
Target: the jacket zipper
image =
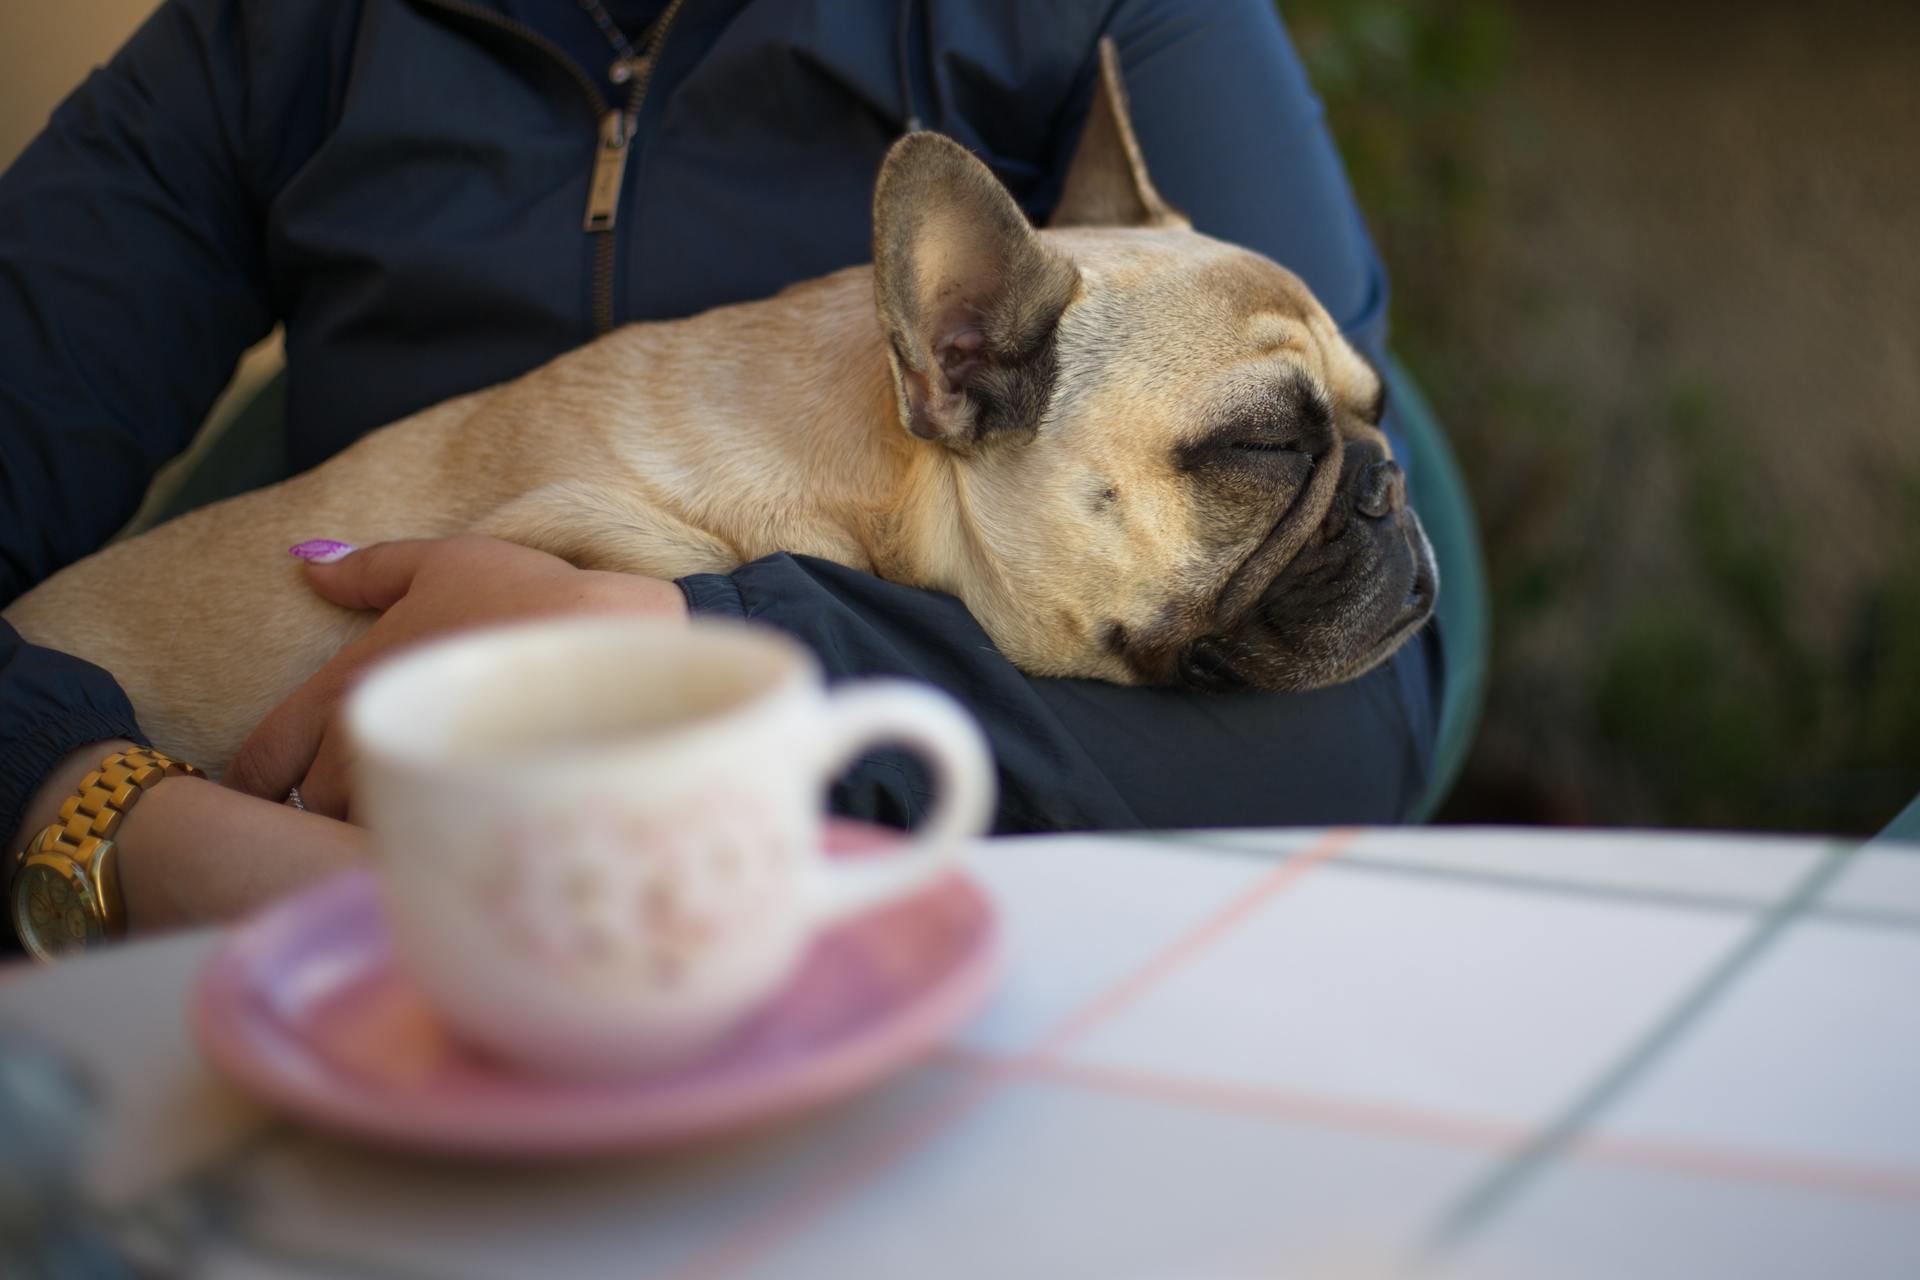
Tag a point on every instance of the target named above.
point(610, 170)
point(612, 144)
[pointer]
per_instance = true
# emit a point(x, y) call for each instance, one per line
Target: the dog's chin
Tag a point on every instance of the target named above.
point(1413, 612)
point(1325, 619)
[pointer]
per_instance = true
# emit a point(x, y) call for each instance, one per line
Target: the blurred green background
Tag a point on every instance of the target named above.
point(1656, 266)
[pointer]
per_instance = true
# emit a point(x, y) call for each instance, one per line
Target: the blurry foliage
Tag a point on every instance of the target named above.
point(1717, 706)
point(1701, 700)
point(1706, 699)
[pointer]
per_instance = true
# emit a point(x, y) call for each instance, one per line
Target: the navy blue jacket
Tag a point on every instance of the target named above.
point(402, 184)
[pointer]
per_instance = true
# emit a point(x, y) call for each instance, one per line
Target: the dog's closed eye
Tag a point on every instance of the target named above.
point(1246, 444)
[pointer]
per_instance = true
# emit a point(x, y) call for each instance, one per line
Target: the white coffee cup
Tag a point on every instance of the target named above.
point(599, 839)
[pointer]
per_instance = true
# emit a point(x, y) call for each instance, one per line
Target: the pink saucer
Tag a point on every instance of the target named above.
point(304, 1006)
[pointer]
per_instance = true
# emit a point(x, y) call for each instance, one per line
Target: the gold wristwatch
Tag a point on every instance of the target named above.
point(66, 882)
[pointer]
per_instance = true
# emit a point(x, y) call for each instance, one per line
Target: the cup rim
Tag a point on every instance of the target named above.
point(376, 738)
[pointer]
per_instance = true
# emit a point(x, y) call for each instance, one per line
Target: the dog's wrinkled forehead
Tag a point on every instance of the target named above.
point(1163, 312)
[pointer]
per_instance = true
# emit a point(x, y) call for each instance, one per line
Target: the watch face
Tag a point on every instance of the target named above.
point(50, 909)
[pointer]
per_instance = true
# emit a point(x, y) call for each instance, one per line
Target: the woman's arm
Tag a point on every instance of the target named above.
point(131, 279)
point(132, 276)
point(1234, 137)
point(192, 852)
point(1081, 754)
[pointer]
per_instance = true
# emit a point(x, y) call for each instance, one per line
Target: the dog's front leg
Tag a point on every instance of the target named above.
point(594, 527)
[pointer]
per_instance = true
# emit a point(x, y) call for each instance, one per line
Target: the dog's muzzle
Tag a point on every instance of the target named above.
point(1360, 588)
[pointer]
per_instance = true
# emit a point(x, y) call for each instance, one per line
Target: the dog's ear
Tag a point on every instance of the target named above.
point(1107, 183)
point(968, 294)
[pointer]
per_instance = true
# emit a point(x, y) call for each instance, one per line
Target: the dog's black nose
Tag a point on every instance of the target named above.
point(1381, 490)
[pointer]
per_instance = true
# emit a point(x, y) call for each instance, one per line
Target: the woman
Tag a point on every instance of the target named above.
point(436, 195)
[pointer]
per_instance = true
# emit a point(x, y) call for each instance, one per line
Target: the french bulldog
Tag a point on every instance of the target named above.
point(1136, 453)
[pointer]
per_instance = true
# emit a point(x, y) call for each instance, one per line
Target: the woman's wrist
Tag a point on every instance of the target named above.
point(62, 781)
point(192, 852)
point(630, 593)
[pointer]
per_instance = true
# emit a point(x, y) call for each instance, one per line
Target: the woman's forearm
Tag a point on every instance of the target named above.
point(194, 852)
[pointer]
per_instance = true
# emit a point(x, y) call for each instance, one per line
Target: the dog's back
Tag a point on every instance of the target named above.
point(204, 620)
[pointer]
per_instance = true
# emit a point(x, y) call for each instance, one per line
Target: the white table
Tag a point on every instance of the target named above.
point(1464, 1053)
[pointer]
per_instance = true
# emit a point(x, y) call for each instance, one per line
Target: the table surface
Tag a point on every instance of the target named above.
point(1446, 1051)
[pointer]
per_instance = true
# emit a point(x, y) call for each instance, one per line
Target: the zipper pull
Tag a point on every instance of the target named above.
point(625, 69)
point(609, 172)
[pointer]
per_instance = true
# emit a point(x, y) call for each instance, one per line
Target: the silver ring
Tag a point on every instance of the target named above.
point(293, 798)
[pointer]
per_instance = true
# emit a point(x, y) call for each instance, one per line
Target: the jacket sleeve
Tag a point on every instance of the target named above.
point(1234, 137)
point(131, 279)
point(1080, 754)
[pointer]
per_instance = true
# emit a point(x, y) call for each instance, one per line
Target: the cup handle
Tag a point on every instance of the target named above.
point(873, 711)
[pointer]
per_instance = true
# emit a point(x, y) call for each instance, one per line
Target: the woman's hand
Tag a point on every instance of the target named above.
point(425, 589)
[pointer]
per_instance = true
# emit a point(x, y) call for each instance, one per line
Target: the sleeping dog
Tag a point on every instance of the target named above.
point(1136, 454)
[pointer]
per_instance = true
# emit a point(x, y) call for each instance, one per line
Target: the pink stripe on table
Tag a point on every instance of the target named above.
point(783, 1220)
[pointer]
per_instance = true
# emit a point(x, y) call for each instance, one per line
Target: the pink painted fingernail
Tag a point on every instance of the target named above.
point(322, 551)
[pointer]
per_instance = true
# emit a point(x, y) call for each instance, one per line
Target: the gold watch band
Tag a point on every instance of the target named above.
point(93, 812)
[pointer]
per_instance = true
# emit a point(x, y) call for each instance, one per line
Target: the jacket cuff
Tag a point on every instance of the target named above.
point(713, 594)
